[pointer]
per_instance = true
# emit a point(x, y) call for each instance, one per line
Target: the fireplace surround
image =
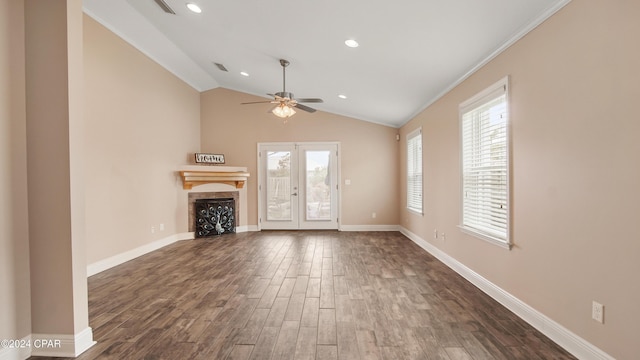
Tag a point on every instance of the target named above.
point(214, 182)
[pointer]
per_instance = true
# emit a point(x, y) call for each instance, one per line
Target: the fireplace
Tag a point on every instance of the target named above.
point(214, 217)
point(213, 213)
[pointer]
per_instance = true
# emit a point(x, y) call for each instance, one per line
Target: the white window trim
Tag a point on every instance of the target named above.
point(473, 101)
point(411, 135)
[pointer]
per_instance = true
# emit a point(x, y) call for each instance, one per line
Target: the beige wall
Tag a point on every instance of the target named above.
point(141, 124)
point(369, 151)
point(575, 155)
point(15, 314)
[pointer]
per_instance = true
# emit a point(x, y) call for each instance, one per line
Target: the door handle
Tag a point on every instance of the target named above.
point(294, 194)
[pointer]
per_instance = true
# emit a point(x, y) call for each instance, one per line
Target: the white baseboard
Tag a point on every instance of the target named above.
point(115, 260)
point(369, 228)
point(60, 345)
point(84, 340)
point(246, 228)
point(571, 342)
point(19, 351)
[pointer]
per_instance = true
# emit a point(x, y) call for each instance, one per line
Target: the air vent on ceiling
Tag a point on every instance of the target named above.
point(165, 7)
point(221, 67)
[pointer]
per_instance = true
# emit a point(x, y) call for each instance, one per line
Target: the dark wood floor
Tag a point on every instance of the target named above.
point(301, 295)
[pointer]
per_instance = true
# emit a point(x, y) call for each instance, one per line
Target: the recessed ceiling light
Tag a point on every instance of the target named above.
point(351, 43)
point(342, 96)
point(243, 73)
point(193, 7)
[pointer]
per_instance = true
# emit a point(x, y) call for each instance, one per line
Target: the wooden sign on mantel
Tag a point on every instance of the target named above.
point(211, 159)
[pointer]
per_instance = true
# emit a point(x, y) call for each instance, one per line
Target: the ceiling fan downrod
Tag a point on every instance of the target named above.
point(284, 64)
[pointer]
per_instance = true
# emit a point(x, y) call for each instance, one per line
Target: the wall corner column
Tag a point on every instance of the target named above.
point(55, 165)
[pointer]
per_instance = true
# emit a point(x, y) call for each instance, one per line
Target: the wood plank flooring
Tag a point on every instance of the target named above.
point(301, 295)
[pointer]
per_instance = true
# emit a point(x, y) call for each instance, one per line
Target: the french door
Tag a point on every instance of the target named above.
point(298, 185)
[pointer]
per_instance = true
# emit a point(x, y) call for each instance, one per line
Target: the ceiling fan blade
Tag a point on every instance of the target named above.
point(305, 108)
point(256, 102)
point(309, 100)
point(276, 96)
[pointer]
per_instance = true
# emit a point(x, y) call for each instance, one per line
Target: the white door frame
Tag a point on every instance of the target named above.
point(262, 178)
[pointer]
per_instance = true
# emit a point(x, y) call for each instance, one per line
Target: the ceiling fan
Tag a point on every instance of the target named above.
point(285, 100)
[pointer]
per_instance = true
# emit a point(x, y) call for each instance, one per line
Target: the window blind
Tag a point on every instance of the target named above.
point(485, 165)
point(414, 171)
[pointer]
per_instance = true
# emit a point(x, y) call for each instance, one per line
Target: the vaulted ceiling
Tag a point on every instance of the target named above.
point(410, 51)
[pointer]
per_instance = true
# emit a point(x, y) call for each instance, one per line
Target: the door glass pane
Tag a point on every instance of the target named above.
point(318, 201)
point(279, 185)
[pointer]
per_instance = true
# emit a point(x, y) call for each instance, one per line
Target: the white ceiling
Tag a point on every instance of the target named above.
point(411, 51)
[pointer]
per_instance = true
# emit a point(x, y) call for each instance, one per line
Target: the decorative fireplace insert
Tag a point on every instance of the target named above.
point(214, 217)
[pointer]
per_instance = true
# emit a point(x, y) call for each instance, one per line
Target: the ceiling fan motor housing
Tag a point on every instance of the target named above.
point(285, 94)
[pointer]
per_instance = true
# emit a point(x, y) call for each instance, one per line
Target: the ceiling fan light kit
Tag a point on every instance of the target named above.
point(285, 100)
point(283, 111)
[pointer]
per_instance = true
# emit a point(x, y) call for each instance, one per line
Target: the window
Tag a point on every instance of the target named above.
point(414, 171)
point(485, 164)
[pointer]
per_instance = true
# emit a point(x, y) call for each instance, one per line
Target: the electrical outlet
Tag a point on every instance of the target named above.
point(161, 227)
point(153, 229)
point(597, 312)
point(373, 215)
point(444, 237)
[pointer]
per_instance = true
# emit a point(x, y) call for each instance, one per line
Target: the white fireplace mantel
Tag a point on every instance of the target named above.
point(194, 175)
